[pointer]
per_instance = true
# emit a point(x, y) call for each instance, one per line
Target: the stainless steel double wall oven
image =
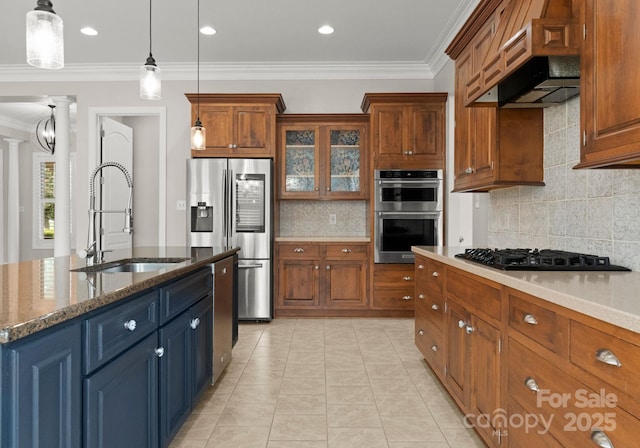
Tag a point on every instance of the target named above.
point(408, 212)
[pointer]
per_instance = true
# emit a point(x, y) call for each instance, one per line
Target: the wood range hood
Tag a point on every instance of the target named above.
point(530, 56)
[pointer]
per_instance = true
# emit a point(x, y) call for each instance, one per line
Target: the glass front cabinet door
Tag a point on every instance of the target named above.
point(323, 162)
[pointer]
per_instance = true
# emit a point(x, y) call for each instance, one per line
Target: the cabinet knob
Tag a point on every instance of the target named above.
point(421, 332)
point(608, 357)
point(317, 189)
point(531, 384)
point(600, 439)
point(328, 189)
point(407, 278)
point(406, 297)
point(420, 296)
point(298, 250)
point(420, 266)
point(435, 274)
point(346, 250)
point(316, 267)
point(469, 329)
point(195, 323)
point(435, 307)
point(159, 352)
point(468, 170)
point(410, 153)
point(230, 145)
point(530, 319)
point(462, 324)
point(434, 348)
point(130, 325)
point(328, 267)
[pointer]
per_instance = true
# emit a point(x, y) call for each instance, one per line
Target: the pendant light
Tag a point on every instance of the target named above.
point(198, 132)
point(150, 79)
point(46, 132)
point(45, 45)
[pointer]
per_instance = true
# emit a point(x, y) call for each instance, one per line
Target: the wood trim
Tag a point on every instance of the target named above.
point(404, 98)
point(239, 98)
point(322, 118)
point(471, 27)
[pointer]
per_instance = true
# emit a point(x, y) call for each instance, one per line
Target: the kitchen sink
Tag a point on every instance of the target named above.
point(132, 265)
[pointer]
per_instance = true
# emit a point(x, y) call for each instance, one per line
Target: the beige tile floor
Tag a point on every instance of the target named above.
point(326, 383)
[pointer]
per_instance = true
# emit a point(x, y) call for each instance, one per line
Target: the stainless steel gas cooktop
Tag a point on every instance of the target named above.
point(539, 260)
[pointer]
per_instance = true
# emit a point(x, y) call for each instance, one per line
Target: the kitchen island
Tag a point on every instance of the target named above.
point(506, 344)
point(98, 358)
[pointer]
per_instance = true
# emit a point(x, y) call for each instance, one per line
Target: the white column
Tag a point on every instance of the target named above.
point(62, 240)
point(13, 202)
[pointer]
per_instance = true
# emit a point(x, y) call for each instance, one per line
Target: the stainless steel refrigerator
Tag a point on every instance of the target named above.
point(230, 205)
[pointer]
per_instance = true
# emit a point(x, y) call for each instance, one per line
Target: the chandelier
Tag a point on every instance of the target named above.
point(46, 132)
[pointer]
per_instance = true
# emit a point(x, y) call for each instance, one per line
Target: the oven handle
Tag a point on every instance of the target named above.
point(415, 183)
point(435, 214)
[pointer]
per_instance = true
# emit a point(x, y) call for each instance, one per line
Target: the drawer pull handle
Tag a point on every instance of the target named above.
point(298, 250)
point(407, 278)
point(346, 250)
point(607, 357)
point(531, 384)
point(434, 348)
point(435, 307)
point(421, 332)
point(159, 352)
point(420, 266)
point(406, 297)
point(530, 319)
point(130, 325)
point(420, 296)
point(600, 438)
point(195, 323)
point(435, 274)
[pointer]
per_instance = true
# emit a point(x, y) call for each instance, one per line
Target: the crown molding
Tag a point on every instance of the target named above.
point(438, 58)
point(224, 71)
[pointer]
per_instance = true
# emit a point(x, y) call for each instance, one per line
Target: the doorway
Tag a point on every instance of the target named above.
point(149, 162)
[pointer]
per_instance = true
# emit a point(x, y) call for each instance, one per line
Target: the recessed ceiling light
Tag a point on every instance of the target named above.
point(89, 31)
point(325, 29)
point(207, 30)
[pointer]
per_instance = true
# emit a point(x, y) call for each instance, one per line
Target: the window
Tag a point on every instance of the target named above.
point(44, 201)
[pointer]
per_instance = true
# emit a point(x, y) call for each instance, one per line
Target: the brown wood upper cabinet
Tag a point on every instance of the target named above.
point(407, 129)
point(237, 125)
point(610, 110)
point(323, 156)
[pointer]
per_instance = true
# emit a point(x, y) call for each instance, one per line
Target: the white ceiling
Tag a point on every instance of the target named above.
point(257, 39)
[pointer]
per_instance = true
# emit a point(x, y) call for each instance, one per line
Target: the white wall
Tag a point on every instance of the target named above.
point(300, 96)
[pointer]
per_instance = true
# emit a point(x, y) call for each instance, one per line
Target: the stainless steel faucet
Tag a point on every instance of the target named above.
point(94, 253)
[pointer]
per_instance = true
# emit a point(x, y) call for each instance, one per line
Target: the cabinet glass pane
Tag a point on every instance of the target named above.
point(345, 160)
point(300, 160)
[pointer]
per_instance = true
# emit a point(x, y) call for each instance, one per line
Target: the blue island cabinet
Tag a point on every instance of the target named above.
point(41, 390)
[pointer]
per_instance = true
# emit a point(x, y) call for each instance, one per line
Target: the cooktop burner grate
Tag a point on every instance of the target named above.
point(539, 259)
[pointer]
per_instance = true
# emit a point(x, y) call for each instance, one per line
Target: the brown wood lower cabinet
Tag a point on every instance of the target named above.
point(526, 372)
point(313, 278)
point(393, 287)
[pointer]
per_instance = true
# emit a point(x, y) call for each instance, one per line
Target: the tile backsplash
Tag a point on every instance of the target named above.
point(311, 218)
point(590, 211)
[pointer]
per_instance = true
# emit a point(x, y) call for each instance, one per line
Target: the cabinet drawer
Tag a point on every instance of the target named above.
point(112, 332)
point(432, 307)
point(346, 251)
point(394, 275)
point(538, 323)
point(522, 436)
point(482, 295)
point(573, 409)
point(298, 251)
point(592, 349)
point(429, 342)
point(430, 273)
point(393, 299)
point(181, 294)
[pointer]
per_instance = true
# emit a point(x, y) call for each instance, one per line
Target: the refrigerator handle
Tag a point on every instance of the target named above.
point(229, 196)
point(225, 213)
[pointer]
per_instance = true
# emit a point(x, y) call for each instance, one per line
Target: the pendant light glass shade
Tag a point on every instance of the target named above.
point(45, 42)
point(198, 136)
point(198, 132)
point(150, 79)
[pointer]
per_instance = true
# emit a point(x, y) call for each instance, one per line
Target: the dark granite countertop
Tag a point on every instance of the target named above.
point(39, 294)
